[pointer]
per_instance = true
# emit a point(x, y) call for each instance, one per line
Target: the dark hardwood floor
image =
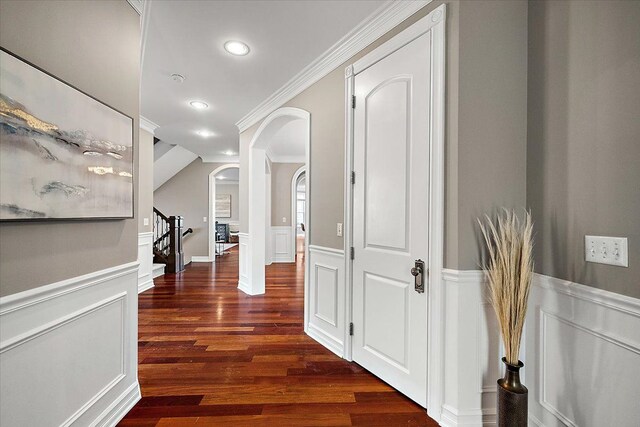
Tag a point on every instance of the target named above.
point(209, 355)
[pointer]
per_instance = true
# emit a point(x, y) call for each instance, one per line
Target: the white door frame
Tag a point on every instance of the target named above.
point(212, 208)
point(434, 22)
point(255, 282)
point(294, 210)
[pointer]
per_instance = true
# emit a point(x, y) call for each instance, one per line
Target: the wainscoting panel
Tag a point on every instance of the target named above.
point(145, 260)
point(244, 263)
point(281, 244)
point(327, 323)
point(582, 356)
point(472, 343)
point(68, 351)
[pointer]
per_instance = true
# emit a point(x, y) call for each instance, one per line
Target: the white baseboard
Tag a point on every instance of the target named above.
point(78, 335)
point(325, 339)
point(145, 260)
point(327, 298)
point(158, 270)
point(201, 259)
point(118, 409)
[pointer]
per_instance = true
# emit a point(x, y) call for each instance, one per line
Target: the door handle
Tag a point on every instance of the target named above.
point(418, 273)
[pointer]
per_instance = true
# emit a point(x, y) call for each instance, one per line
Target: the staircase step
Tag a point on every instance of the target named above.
point(158, 270)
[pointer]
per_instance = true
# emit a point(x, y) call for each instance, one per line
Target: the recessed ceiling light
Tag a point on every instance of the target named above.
point(178, 78)
point(229, 153)
point(220, 177)
point(204, 133)
point(199, 105)
point(236, 48)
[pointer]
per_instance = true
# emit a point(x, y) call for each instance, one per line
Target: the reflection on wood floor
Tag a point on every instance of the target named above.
point(209, 355)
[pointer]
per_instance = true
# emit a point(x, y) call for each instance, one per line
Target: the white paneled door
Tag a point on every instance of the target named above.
point(390, 217)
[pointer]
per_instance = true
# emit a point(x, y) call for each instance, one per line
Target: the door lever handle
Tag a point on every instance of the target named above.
point(418, 273)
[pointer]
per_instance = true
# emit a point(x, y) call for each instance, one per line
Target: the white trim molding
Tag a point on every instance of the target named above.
point(471, 351)
point(281, 244)
point(373, 27)
point(256, 247)
point(145, 260)
point(197, 258)
point(148, 125)
point(212, 214)
point(434, 23)
point(220, 159)
point(587, 339)
point(326, 300)
point(78, 335)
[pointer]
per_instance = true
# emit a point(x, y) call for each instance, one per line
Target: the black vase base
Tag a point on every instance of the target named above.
point(513, 408)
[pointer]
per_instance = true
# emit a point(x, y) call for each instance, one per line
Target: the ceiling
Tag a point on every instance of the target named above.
point(187, 37)
point(228, 176)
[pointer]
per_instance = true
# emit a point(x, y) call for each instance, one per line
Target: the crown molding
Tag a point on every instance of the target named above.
point(220, 159)
point(376, 25)
point(288, 159)
point(137, 5)
point(148, 125)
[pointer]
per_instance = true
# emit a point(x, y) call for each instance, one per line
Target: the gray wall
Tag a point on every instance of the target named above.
point(281, 176)
point(583, 174)
point(145, 181)
point(485, 136)
point(187, 194)
point(231, 189)
point(491, 122)
point(94, 46)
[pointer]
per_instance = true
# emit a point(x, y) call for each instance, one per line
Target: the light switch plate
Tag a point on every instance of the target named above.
point(606, 250)
point(204, 219)
point(145, 221)
point(284, 219)
point(339, 229)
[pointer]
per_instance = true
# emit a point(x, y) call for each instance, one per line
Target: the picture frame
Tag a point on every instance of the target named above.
point(64, 154)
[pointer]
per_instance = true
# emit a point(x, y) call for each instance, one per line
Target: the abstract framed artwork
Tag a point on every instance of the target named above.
point(63, 153)
point(223, 205)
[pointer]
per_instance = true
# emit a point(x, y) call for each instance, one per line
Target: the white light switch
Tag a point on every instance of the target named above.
point(145, 221)
point(606, 250)
point(284, 219)
point(204, 219)
point(339, 230)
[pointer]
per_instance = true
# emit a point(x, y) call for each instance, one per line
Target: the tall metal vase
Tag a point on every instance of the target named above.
point(512, 397)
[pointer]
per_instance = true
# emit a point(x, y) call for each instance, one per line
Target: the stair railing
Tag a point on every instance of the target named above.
point(167, 241)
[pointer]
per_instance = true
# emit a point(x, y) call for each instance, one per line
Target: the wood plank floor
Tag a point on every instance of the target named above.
point(209, 355)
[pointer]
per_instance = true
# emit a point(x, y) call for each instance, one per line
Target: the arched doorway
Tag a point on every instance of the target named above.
point(212, 209)
point(299, 208)
point(252, 251)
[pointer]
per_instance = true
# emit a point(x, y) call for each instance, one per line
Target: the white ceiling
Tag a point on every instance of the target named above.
point(186, 37)
point(228, 176)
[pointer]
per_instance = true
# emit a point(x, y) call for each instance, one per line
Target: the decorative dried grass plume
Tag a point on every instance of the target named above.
point(509, 271)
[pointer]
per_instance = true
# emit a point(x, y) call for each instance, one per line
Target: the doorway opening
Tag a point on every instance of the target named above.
point(298, 212)
point(224, 225)
point(283, 137)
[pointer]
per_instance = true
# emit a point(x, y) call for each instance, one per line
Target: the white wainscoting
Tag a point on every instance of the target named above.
point(244, 263)
point(145, 260)
point(582, 356)
point(281, 244)
point(327, 322)
point(471, 351)
point(68, 351)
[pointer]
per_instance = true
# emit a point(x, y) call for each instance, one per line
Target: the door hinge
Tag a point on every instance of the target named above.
point(351, 329)
point(353, 101)
point(352, 253)
point(353, 177)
